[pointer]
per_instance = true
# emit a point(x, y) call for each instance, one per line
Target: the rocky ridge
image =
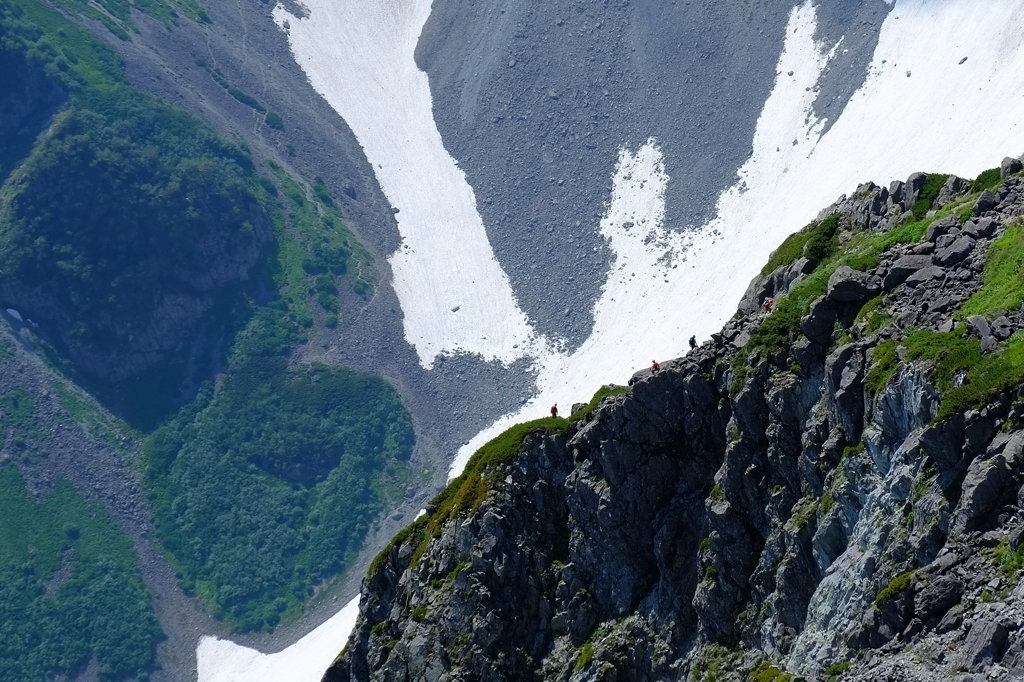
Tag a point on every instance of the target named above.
point(828, 489)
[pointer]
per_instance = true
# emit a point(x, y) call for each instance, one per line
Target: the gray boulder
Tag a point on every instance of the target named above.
point(955, 252)
point(979, 326)
point(980, 227)
point(1010, 166)
point(985, 644)
point(986, 202)
point(903, 268)
point(847, 285)
point(955, 187)
point(940, 227)
point(1002, 328)
point(925, 275)
point(818, 323)
point(937, 597)
point(912, 190)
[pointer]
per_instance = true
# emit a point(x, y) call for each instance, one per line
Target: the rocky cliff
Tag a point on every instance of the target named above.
point(828, 489)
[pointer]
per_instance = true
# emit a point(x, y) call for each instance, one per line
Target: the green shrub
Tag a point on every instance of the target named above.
point(766, 672)
point(836, 670)
point(815, 242)
point(884, 363)
point(896, 586)
point(929, 192)
point(585, 656)
point(822, 240)
point(988, 179)
point(70, 590)
point(1009, 561)
point(273, 120)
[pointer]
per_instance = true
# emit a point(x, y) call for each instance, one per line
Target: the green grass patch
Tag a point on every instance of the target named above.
point(884, 364)
point(836, 670)
point(929, 193)
point(896, 586)
point(1009, 561)
point(815, 242)
point(964, 376)
point(766, 672)
point(803, 512)
point(989, 179)
point(716, 663)
point(585, 656)
point(873, 316)
point(1003, 277)
point(69, 589)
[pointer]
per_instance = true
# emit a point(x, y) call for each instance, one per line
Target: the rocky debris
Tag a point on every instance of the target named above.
point(904, 268)
point(986, 202)
point(954, 188)
point(747, 504)
point(847, 285)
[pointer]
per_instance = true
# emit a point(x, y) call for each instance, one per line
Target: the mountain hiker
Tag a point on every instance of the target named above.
point(768, 303)
point(554, 410)
point(655, 366)
point(693, 342)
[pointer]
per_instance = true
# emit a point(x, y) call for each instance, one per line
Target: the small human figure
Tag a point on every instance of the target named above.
point(554, 410)
point(768, 303)
point(693, 342)
point(655, 366)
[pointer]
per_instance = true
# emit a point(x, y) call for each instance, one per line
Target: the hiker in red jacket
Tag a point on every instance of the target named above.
point(655, 366)
point(554, 410)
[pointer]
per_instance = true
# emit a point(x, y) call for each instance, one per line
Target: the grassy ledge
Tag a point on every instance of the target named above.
point(465, 493)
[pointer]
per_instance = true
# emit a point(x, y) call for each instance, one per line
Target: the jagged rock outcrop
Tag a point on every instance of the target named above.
point(830, 488)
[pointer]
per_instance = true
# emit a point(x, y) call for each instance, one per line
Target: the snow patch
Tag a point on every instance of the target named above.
point(359, 55)
point(220, 660)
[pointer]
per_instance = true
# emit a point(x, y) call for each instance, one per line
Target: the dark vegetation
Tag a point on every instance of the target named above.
point(121, 204)
point(116, 15)
point(265, 483)
point(265, 486)
point(929, 193)
point(69, 590)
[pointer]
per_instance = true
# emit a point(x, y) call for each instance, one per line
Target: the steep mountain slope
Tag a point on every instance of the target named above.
point(176, 276)
point(472, 149)
point(828, 488)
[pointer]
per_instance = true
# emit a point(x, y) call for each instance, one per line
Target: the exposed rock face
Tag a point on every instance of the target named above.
point(796, 505)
